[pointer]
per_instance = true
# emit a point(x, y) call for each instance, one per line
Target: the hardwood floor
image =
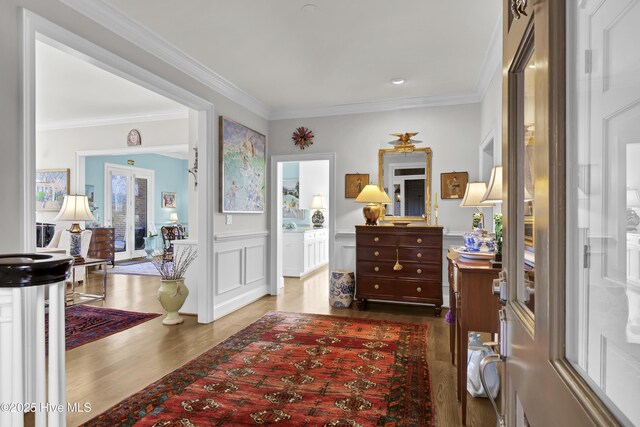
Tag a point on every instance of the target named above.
point(108, 370)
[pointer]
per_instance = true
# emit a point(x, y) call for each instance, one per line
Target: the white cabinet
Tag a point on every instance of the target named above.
point(304, 251)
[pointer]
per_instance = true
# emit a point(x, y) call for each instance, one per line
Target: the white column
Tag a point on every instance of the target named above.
point(11, 360)
point(57, 380)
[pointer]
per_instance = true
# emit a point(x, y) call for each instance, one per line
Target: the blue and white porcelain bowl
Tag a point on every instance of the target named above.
point(480, 240)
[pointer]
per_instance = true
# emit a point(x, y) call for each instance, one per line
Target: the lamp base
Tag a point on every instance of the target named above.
point(75, 248)
point(371, 213)
point(317, 219)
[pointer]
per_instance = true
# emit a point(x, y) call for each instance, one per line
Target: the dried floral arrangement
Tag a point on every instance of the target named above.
point(176, 269)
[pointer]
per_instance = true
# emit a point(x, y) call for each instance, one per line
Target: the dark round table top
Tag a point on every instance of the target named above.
point(33, 269)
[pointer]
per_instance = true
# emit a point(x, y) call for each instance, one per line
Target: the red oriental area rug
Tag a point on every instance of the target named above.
point(86, 323)
point(294, 370)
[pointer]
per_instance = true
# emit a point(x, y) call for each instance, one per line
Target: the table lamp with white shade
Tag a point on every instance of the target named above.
point(374, 198)
point(473, 196)
point(317, 203)
point(75, 208)
point(173, 217)
point(494, 189)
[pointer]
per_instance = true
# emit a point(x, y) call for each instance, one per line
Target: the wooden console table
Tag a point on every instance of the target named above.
point(475, 308)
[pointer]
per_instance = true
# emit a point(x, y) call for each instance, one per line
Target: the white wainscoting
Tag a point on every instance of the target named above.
point(345, 250)
point(241, 270)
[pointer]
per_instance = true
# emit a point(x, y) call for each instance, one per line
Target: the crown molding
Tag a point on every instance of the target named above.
point(491, 62)
point(120, 24)
point(111, 120)
point(375, 106)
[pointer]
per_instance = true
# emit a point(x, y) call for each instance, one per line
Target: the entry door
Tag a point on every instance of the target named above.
point(544, 263)
point(129, 207)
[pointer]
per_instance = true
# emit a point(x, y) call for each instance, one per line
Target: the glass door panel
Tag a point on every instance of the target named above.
point(140, 207)
point(119, 212)
point(129, 207)
point(603, 249)
point(523, 131)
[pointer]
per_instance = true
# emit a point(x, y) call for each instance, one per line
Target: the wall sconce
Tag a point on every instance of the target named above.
point(194, 170)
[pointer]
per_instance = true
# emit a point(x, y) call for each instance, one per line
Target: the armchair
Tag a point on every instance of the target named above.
point(170, 233)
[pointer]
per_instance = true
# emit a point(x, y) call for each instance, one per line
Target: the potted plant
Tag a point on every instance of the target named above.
point(173, 292)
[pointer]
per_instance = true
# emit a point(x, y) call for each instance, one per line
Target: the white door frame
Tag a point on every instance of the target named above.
point(276, 212)
point(35, 27)
point(133, 172)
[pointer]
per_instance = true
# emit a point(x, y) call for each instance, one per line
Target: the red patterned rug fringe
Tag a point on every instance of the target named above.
point(294, 370)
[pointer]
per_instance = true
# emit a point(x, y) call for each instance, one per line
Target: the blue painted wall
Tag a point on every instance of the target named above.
point(170, 175)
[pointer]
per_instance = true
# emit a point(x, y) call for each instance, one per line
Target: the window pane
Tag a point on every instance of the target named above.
point(603, 201)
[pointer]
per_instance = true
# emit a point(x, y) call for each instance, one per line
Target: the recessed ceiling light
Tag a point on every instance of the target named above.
point(397, 81)
point(309, 8)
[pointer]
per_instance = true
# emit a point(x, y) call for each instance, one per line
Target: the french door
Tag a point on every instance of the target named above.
point(129, 207)
point(568, 359)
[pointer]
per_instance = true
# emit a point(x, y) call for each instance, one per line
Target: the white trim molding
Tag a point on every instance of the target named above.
point(375, 106)
point(112, 120)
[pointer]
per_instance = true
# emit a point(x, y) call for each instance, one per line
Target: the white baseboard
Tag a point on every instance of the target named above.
point(226, 307)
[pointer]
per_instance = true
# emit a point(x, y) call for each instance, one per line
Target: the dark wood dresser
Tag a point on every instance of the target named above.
point(416, 254)
point(103, 244)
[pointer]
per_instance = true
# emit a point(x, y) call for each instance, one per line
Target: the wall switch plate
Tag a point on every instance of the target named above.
point(229, 220)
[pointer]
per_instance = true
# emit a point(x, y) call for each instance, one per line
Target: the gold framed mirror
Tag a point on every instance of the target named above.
point(404, 173)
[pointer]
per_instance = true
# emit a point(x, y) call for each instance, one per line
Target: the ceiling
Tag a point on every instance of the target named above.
point(71, 92)
point(286, 55)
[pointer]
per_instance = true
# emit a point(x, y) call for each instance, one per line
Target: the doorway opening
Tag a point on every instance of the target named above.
point(302, 216)
point(196, 115)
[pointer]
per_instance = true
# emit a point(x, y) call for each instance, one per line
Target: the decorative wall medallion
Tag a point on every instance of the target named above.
point(302, 137)
point(134, 138)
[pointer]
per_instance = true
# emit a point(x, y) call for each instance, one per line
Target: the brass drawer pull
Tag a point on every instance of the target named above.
point(376, 253)
point(376, 268)
point(376, 239)
point(419, 240)
point(419, 289)
point(376, 286)
point(419, 255)
point(419, 271)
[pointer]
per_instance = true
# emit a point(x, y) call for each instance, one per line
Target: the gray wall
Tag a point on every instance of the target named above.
point(452, 132)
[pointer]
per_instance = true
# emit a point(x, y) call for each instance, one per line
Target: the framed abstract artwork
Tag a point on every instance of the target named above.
point(453, 184)
point(354, 183)
point(242, 168)
point(51, 187)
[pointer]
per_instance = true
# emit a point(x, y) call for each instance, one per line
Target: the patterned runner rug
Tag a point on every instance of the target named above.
point(294, 370)
point(86, 323)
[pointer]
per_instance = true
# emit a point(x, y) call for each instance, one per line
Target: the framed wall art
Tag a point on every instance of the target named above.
point(291, 199)
point(453, 184)
point(354, 183)
point(242, 168)
point(51, 187)
point(168, 199)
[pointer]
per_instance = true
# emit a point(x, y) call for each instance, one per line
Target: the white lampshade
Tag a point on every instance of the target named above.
point(317, 202)
point(372, 194)
point(473, 195)
point(494, 191)
point(173, 217)
point(633, 198)
point(75, 208)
